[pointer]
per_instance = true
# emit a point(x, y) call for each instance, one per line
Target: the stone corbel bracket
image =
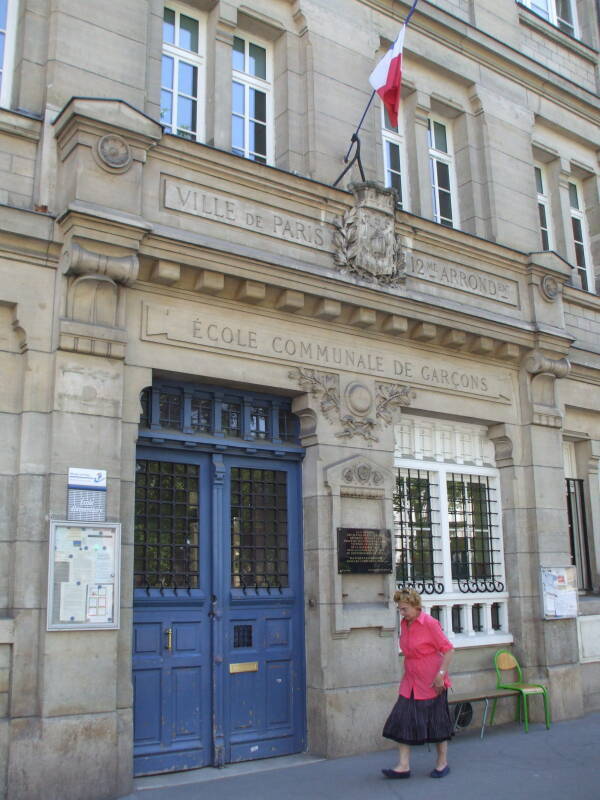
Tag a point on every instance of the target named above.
point(121, 269)
point(536, 363)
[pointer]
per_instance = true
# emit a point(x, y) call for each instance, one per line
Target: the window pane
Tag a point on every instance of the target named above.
point(238, 54)
point(387, 122)
point(258, 105)
point(237, 98)
point(167, 72)
point(564, 12)
point(541, 7)
point(545, 240)
point(539, 184)
point(579, 255)
point(577, 229)
point(445, 206)
point(186, 114)
point(443, 175)
point(396, 183)
point(169, 26)
point(439, 131)
point(573, 196)
point(166, 107)
point(393, 156)
point(258, 138)
point(237, 134)
point(188, 33)
point(188, 79)
point(258, 61)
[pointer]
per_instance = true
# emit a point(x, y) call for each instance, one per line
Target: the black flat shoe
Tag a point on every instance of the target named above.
point(391, 773)
point(440, 773)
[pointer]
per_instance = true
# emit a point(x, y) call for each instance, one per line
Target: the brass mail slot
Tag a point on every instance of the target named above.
point(244, 666)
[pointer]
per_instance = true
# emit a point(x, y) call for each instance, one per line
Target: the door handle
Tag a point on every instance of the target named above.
point(169, 635)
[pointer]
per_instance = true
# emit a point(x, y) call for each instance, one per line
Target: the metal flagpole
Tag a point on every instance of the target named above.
point(355, 140)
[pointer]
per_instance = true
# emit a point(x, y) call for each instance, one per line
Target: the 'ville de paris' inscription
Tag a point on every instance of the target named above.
point(251, 216)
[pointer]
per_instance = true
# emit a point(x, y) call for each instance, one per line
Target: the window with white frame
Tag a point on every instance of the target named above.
point(443, 180)
point(448, 527)
point(393, 157)
point(560, 13)
point(543, 202)
point(8, 25)
point(251, 113)
point(183, 72)
point(580, 236)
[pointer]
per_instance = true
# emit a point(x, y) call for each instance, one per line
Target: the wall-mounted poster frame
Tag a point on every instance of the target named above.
point(84, 569)
point(559, 592)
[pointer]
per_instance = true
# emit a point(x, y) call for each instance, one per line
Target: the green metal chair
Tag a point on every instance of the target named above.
point(505, 662)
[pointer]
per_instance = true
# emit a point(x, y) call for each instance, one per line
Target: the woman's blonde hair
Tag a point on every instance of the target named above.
point(409, 596)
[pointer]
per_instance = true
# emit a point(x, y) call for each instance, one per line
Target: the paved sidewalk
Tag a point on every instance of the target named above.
point(560, 764)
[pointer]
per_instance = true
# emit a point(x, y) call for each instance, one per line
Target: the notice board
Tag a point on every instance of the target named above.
point(559, 592)
point(83, 575)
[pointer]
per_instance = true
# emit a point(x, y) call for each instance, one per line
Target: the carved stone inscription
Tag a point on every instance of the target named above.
point(466, 279)
point(364, 550)
point(294, 344)
point(232, 211)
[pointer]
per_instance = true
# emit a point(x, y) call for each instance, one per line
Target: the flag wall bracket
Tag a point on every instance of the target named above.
point(354, 142)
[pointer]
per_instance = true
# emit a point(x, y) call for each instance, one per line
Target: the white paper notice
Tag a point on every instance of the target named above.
point(100, 603)
point(72, 602)
point(82, 567)
point(104, 567)
point(566, 604)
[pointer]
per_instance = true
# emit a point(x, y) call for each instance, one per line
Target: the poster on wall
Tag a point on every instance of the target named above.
point(83, 575)
point(559, 592)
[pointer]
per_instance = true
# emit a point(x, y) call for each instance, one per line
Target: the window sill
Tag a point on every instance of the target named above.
point(463, 640)
point(539, 24)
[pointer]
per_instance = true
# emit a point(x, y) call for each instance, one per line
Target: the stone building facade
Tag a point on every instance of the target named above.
point(274, 372)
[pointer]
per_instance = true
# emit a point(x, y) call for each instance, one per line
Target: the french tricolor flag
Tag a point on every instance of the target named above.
point(386, 78)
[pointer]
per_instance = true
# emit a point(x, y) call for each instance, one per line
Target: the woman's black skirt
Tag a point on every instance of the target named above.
point(418, 721)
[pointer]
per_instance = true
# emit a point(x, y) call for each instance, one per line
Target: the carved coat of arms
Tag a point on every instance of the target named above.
point(366, 244)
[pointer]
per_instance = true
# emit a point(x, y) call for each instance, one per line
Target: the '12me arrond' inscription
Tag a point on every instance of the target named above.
point(233, 211)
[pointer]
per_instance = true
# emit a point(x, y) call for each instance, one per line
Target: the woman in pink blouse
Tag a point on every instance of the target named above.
point(421, 713)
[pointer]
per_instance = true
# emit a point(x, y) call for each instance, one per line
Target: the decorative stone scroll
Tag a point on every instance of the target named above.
point(121, 269)
point(537, 363)
point(355, 411)
point(366, 245)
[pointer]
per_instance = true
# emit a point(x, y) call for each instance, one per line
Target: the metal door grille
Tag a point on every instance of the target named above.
point(259, 528)
point(166, 525)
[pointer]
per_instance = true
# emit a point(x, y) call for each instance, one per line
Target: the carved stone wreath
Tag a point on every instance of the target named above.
point(325, 387)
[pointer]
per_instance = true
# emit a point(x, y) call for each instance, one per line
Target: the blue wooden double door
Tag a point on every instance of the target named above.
point(218, 653)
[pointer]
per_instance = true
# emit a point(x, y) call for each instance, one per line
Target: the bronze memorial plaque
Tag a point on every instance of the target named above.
point(364, 550)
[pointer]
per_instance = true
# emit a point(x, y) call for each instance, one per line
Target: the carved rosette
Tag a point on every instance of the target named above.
point(354, 412)
point(363, 475)
point(114, 152)
point(366, 245)
point(550, 288)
